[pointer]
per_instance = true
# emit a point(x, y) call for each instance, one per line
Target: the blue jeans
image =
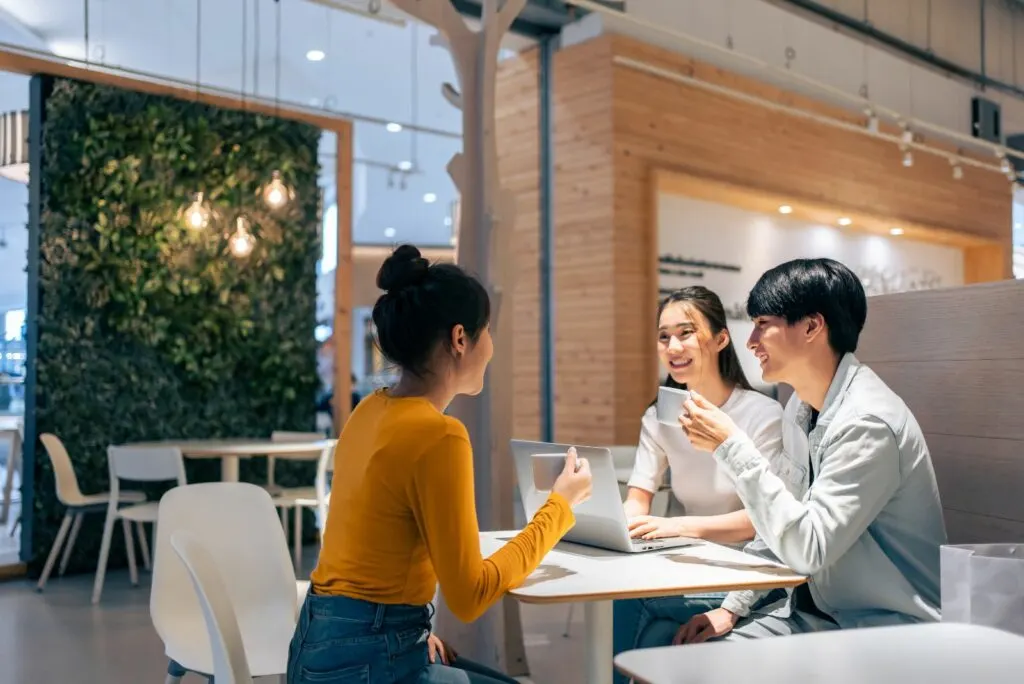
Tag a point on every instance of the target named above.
point(646, 623)
point(342, 640)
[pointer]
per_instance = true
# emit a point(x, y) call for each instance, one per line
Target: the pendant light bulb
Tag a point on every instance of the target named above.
point(276, 194)
point(242, 242)
point(197, 216)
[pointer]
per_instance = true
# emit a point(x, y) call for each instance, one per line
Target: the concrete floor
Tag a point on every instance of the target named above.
point(59, 636)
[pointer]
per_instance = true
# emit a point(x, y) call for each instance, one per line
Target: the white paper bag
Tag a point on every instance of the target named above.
point(983, 584)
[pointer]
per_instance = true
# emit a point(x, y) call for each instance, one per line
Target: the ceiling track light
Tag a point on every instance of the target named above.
point(906, 135)
point(872, 120)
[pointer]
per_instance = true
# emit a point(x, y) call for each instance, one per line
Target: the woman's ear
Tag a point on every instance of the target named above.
point(722, 340)
point(458, 340)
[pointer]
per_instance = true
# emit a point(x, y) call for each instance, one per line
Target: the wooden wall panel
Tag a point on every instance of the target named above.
point(954, 356)
point(517, 114)
point(586, 265)
point(660, 124)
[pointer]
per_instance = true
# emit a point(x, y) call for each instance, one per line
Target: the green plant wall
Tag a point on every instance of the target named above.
point(147, 329)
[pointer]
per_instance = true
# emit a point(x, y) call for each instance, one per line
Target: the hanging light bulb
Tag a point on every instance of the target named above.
point(276, 194)
point(908, 159)
point(242, 242)
point(197, 216)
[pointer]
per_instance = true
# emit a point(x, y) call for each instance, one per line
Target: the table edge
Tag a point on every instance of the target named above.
point(656, 593)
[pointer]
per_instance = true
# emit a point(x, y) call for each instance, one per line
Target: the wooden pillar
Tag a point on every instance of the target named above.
point(342, 334)
point(485, 225)
point(987, 263)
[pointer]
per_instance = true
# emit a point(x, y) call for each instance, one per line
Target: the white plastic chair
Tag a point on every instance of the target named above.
point(230, 665)
point(237, 524)
point(297, 498)
point(137, 464)
point(15, 436)
point(76, 506)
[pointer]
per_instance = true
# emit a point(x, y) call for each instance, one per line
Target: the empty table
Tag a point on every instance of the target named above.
point(935, 653)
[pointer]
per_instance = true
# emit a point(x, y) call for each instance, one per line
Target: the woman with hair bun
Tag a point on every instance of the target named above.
point(402, 516)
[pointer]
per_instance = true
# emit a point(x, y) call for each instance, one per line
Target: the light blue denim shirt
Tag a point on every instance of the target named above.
point(868, 530)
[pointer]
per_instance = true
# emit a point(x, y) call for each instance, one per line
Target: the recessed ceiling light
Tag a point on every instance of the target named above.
point(844, 221)
point(895, 231)
point(315, 55)
point(430, 198)
point(394, 127)
point(405, 165)
point(785, 209)
point(389, 233)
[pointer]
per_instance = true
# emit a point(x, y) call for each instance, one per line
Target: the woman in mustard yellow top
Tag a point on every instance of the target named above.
point(402, 515)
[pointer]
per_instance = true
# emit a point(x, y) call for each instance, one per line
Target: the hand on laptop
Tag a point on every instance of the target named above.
point(574, 483)
point(653, 527)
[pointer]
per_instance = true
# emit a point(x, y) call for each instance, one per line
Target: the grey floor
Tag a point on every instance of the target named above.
point(59, 636)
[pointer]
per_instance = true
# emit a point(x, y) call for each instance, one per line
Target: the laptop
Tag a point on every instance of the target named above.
point(600, 520)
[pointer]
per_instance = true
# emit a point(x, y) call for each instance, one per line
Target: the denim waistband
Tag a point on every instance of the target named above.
point(369, 612)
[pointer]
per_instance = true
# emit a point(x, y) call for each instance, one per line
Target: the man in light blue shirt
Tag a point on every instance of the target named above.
point(868, 525)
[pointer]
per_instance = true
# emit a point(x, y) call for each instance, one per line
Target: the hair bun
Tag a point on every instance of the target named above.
point(404, 268)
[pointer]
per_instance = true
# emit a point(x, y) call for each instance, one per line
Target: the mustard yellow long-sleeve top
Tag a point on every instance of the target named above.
point(403, 515)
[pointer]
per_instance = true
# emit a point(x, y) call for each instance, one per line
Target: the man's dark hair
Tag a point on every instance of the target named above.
point(804, 287)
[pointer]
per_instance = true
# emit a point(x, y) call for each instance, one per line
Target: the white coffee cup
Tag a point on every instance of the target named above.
point(670, 405)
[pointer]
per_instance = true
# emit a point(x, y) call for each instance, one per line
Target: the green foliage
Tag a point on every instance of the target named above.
point(148, 329)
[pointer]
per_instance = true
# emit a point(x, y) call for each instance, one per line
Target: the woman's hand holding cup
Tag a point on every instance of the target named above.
point(575, 482)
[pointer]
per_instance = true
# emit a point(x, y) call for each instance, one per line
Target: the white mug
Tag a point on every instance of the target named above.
point(670, 405)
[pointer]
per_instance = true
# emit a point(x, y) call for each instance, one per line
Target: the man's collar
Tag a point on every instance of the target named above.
point(845, 372)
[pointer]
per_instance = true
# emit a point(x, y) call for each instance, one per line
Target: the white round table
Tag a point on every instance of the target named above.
point(230, 450)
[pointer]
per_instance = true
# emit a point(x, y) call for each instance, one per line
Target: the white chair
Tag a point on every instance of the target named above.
point(230, 665)
point(15, 436)
point(137, 464)
point(76, 506)
point(295, 499)
point(237, 524)
point(289, 437)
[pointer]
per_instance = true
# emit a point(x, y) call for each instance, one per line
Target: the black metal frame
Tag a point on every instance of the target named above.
point(40, 87)
point(547, 239)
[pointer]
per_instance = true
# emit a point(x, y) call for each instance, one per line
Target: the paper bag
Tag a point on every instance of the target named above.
point(983, 584)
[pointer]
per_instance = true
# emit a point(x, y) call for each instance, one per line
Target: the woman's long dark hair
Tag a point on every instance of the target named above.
point(710, 307)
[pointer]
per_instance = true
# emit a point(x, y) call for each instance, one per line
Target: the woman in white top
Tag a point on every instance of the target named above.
point(697, 352)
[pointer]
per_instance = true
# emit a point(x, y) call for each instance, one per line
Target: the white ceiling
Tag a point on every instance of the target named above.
point(377, 71)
